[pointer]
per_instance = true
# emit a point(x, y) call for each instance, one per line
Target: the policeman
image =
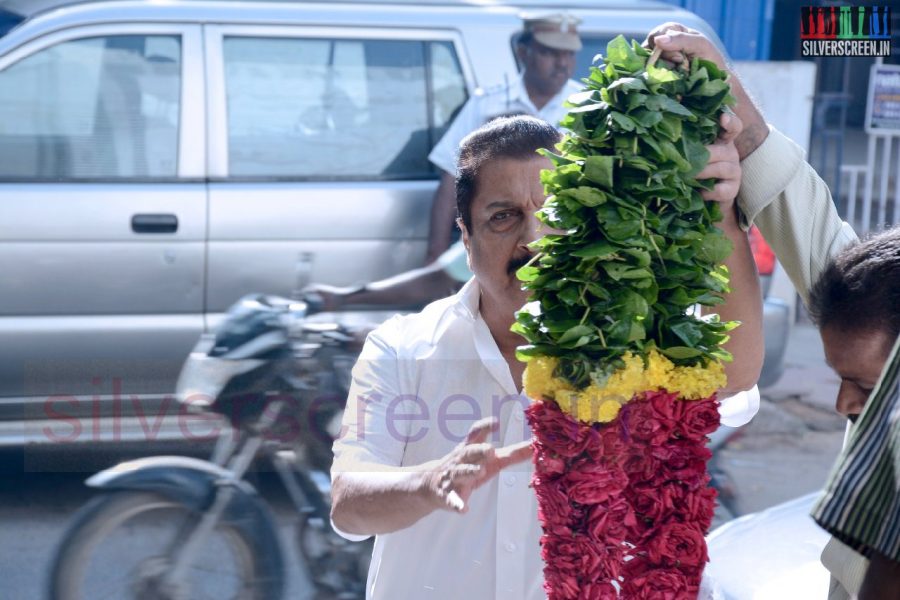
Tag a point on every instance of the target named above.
point(546, 50)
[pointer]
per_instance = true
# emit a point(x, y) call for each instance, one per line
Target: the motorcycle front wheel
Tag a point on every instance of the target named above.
point(120, 544)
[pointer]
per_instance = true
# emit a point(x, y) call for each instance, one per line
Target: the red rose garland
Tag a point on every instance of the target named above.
point(624, 505)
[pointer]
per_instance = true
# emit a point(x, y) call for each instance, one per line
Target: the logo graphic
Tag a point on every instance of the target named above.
point(845, 30)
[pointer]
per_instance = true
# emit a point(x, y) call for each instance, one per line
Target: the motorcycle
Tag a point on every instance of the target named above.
point(199, 528)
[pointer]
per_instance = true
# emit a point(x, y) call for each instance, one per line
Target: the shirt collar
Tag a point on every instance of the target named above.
point(518, 93)
point(467, 299)
point(467, 306)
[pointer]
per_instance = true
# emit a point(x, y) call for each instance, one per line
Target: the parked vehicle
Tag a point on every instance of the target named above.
point(160, 160)
point(178, 528)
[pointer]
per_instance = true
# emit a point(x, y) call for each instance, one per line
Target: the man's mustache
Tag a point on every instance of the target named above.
point(517, 263)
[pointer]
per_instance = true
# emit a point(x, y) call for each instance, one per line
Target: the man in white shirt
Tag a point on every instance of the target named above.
point(546, 49)
point(435, 410)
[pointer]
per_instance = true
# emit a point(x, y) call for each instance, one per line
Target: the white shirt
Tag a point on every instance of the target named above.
point(493, 102)
point(420, 383)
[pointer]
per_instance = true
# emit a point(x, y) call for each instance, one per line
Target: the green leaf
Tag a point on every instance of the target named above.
point(586, 196)
point(658, 75)
point(599, 169)
point(681, 352)
point(714, 248)
point(528, 273)
point(595, 250)
point(575, 333)
point(623, 122)
point(620, 54)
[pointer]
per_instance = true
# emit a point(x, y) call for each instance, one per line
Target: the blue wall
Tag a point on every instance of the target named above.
point(745, 26)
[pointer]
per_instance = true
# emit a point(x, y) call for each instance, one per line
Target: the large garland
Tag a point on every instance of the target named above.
point(622, 369)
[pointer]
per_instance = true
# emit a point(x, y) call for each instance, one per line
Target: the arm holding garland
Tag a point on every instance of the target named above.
point(780, 192)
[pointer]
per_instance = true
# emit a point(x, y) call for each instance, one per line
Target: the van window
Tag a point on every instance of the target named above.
point(93, 108)
point(317, 108)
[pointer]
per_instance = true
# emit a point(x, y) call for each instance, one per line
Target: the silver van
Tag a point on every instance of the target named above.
point(160, 160)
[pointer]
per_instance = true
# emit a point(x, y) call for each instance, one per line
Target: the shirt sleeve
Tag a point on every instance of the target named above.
point(738, 409)
point(861, 502)
point(784, 196)
point(372, 429)
point(446, 151)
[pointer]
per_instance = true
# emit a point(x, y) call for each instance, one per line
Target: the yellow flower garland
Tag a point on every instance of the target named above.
point(602, 403)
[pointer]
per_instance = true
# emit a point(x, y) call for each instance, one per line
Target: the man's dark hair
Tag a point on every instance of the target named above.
point(860, 288)
point(517, 138)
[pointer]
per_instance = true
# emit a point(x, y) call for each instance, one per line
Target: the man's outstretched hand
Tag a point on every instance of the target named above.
point(452, 479)
point(678, 43)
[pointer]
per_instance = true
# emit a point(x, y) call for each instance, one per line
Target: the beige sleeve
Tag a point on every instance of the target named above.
point(792, 207)
point(846, 566)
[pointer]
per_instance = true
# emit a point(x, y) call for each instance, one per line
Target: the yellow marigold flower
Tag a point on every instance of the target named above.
point(602, 403)
point(609, 410)
point(539, 381)
point(694, 383)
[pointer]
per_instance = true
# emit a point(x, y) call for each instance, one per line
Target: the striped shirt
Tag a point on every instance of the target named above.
point(861, 503)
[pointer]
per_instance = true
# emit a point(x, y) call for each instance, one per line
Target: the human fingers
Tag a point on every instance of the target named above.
point(676, 57)
point(689, 44)
point(723, 171)
point(474, 454)
point(457, 482)
point(732, 126)
point(481, 429)
point(724, 192)
point(513, 454)
point(723, 163)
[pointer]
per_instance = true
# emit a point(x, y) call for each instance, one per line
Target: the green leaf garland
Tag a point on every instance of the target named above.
point(640, 249)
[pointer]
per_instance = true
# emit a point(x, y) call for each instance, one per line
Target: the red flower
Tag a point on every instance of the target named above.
point(590, 483)
point(556, 430)
point(570, 560)
point(553, 504)
point(683, 461)
point(547, 463)
point(602, 590)
point(677, 545)
point(608, 445)
point(659, 584)
point(652, 503)
point(653, 417)
point(640, 466)
point(699, 418)
point(614, 522)
point(694, 506)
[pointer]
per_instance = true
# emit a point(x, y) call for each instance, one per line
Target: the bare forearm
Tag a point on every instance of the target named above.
point(380, 502)
point(744, 304)
point(755, 128)
point(412, 288)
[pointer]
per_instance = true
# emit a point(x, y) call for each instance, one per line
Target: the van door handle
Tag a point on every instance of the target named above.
point(154, 223)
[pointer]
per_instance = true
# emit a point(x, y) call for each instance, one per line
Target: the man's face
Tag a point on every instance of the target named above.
point(509, 192)
point(546, 68)
point(858, 358)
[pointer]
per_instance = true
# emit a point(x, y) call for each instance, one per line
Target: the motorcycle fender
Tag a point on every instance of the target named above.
point(190, 481)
